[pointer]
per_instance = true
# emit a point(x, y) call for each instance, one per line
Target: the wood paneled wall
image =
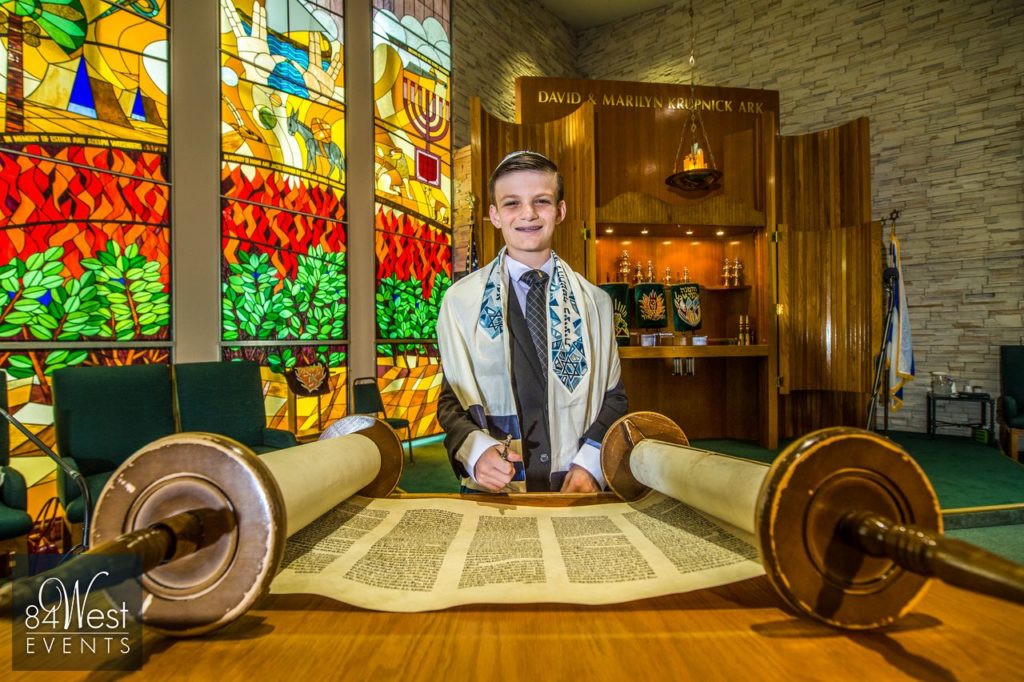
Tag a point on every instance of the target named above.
point(465, 212)
point(639, 126)
point(569, 142)
point(828, 273)
point(721, 400)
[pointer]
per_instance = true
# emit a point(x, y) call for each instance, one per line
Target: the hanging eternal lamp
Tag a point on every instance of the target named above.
point(695, 163)
point(694, 168)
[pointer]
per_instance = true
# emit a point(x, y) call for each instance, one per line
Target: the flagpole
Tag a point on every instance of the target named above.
point(890, 275)
point(890, 281)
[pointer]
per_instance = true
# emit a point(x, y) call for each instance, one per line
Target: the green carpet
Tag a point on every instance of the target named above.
point(1007, 541)
point(963, 472)
point(430, 471)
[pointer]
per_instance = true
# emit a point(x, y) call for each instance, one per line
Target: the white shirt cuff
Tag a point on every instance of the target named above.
point(589, 457)
point(475, 445)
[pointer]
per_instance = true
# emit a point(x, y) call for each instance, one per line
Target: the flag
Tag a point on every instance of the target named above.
point(900, 355)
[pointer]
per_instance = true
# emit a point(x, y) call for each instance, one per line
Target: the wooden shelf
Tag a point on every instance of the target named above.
point(703, 287)
point(716, 351)
point(651, 230)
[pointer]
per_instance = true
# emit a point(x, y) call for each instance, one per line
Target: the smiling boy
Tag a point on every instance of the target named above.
point(528, 350)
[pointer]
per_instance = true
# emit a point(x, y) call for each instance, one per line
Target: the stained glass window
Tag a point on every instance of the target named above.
point(283, 231)
point(413, 191)
point(84, 192)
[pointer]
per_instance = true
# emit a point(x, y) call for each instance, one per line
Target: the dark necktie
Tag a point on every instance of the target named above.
point(537, 313)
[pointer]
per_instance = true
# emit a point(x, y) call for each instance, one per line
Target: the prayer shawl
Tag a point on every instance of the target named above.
point(583, 360)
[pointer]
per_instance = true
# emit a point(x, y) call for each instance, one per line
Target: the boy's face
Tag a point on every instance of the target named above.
point(526, 211)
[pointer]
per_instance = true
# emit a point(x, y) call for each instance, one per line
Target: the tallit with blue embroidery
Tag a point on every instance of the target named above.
point(475, 351)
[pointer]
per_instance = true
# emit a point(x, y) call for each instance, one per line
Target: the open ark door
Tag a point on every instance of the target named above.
point(829, 278)
point(569, 142)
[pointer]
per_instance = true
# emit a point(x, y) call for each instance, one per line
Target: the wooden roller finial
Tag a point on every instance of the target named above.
point(618, 444)
point(808, 492)
point(219, 581)
point(207, 521)
point(214, 580)
point(847, 525)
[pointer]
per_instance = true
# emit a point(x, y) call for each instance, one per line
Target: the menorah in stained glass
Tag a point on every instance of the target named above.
point(429, 112)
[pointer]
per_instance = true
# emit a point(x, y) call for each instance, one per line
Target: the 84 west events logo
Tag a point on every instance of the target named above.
point(78, 617)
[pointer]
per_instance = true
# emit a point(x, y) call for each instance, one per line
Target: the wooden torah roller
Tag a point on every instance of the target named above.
point(847, 525)
point(209, 518)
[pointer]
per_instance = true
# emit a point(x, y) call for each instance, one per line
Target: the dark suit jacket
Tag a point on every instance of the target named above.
point(529, 385)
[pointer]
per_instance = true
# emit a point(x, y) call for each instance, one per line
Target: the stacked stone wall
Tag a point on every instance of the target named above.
point(495, 42)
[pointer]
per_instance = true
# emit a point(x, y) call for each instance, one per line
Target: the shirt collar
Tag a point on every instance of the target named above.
point(516, 269)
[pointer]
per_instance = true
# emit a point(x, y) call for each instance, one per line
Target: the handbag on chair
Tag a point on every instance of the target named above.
point(48, 532)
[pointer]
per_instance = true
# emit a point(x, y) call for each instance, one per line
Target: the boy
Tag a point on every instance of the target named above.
point(531, 367)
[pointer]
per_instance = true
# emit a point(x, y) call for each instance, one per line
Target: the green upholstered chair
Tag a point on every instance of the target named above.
point(366, 400)
point(227, 398)
point(101, 416)
point(1011, 398)
point(15, 523)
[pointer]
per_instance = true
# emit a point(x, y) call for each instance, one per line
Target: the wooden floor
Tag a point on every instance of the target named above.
point(736, 632)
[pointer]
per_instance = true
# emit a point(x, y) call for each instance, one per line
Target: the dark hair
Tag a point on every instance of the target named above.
point(526, 161)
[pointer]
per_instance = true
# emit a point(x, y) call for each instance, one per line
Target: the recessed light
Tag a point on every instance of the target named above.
point(608, 230)
point(667, 243)
point(626, 243)
point(644, 231)
point(689, 232)
point(720, 233)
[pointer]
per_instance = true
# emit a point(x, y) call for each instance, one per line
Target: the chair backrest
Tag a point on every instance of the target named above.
point(104, 414)
point(222, 397)
point(1011, 372)
point(366, 396)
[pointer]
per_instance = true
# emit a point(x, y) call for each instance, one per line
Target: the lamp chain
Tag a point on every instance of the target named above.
point(695, 119)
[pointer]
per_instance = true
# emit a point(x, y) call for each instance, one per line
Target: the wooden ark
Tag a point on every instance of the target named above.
point(794, 210)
